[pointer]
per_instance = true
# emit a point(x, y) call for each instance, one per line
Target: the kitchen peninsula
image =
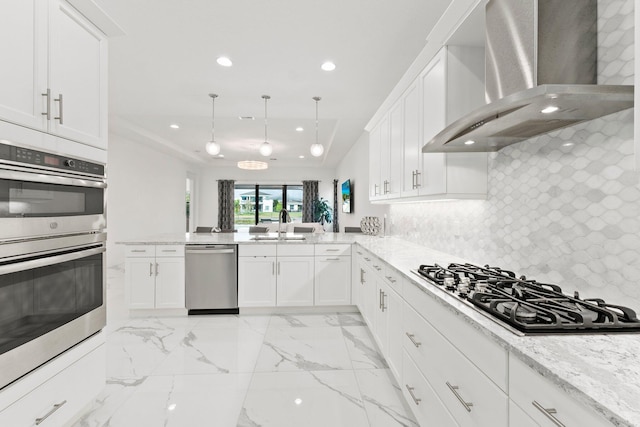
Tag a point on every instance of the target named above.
point(502, 378)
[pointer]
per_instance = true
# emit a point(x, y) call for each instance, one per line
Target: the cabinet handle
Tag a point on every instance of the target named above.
point(278, 268)
point(391, 279)
point(157, 269)
point(48, 414)
point(384, 307)
point(380, 299)
point(418, 173)
point(167, 250)
point(366, 259)
point(548, 412)
point(411, 337)
point(139, 250)
point(377, 267)
point(332, 259)
point(333, 250)
point(361, 276)
point(413, 396)
point(48, 112)
point(273, 268)
point(413, 180)
point(375, 189)
point(454, 390)
point(60, 116)
point(150, 269)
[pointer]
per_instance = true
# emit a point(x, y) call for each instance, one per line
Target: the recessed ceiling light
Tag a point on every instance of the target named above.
point(224, 61)
point(220, 155)
point(299, 129)
point(469, 142)
point(328, 66)
point(301, 157)
point(174, 126)
point(550, 109)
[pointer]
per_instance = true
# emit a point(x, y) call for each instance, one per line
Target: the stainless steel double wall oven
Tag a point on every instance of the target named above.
point(52, 256)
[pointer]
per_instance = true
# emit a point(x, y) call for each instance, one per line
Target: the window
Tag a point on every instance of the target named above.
point(261, 203)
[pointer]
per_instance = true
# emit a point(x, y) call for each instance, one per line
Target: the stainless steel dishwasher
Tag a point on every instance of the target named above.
point(211, 279)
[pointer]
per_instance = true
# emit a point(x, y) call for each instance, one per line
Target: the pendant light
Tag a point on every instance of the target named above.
point(265, 148)
point(317, 149)
point(212, 147)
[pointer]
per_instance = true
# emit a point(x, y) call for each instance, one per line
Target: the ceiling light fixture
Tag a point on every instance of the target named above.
point(224, 61)
point(265, 148)
point(301, 157)
point(469, 142)
point(174, 126)
point(299, 129)
point(253, 165)
point(212, 147)
point(328, 66)
point(550, 109)
point(317, 149)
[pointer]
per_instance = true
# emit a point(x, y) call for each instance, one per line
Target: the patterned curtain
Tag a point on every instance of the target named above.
point(225, 204)
point(309, 195)
point(336, 228)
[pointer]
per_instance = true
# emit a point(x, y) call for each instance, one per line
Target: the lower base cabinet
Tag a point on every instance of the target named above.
point(422, 399)
point(333, 277)
point(57, 400)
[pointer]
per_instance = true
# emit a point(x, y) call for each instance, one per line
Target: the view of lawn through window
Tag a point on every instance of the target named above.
point(260, 204)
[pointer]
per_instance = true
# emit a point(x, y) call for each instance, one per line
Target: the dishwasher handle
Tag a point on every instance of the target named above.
point(210, 251)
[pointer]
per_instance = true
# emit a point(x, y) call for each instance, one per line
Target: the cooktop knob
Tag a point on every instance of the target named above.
point(70, 163)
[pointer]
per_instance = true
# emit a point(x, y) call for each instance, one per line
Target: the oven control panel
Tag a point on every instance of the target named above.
point(40, 158)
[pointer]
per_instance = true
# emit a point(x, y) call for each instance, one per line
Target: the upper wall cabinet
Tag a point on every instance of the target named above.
point(57, 81)
point(451, 85)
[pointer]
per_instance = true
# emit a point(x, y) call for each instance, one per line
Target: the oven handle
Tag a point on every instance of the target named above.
point(49, 260)
point(50, 178)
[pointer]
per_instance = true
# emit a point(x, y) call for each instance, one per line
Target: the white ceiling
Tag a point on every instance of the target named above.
point(163, 69)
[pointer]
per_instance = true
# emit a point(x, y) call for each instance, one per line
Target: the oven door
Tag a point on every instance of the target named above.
point(50, 300)
point(44, 203)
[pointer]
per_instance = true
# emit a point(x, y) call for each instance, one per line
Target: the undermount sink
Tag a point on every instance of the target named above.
point(276, 238)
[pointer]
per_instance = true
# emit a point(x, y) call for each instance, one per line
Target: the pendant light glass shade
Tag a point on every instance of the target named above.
point(265, 148)
point(212, 147)
point(317, 149)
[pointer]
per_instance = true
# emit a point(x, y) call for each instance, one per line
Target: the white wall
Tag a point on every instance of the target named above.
point(146, 193)
point(207, 196)
point(355, 166)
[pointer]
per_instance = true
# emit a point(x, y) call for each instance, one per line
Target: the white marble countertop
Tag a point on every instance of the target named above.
point(601, 371)
point(244, 238)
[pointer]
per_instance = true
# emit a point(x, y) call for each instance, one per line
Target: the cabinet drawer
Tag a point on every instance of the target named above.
point(169, 250)
point(295, 249)
point(257, 250)
point(487, 355)
point(58, 400)
point(537, 396)
point(421, 398)
point(333, 249)
point(140, 251)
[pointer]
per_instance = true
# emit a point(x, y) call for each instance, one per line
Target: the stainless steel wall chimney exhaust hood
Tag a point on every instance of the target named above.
point(541, 75)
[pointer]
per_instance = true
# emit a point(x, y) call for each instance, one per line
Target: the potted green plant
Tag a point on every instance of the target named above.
point(321, 211)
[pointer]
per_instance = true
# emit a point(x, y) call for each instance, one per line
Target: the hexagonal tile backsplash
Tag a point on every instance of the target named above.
point(563, 207)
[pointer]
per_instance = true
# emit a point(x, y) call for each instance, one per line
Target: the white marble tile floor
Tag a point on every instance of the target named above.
point(245, 371)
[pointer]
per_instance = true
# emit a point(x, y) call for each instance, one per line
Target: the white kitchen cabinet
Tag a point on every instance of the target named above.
point(154, 276)
point(57, 82)
point(295, 275)
point(452, 85)
point(422, 399)
point(394, 156)
point(333, 274)
point(412, 147)
point(378, 145)
point(545, 403)
point(55, 393)
point(519, 418)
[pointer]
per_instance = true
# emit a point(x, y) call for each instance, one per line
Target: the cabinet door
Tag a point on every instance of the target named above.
point(170, 282)
point(78, 74)
point(394, 306)
point(23, 75)
point(411, 175)
point(385, 147)
point(295, 281)
point(396, 136)
point(369, 296)
point(333, 280)
point(433, 121)
point(140, 282)
point(257, 281)
point(381, 318)
point(374, 163)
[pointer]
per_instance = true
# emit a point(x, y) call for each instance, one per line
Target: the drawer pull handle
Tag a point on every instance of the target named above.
point(413, 396)
point(391, 279)
point(150, 269)
point(167, 250)
point(157, 270)
point(416, 343)
point(367, 259)
point(48, 112)
point(361, 276)
point(139, 250)
point(48, 414)
point(60, 116)
point(548, 412)
point(332, 250)
point(380, 299)
point(454, 390)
